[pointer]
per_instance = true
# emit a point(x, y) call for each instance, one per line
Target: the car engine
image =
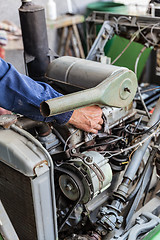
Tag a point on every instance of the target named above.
point(59, 182)
point(96, 183)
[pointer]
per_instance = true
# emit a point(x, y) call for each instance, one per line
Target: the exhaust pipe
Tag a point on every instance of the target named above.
point(35, 40)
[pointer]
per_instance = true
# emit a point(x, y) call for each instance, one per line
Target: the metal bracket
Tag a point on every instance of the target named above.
point(106, 32)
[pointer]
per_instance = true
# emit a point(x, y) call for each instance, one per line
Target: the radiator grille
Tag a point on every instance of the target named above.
point(16, 196)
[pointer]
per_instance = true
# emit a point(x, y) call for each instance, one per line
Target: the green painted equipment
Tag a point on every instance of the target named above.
point(115, 46)
point(105, 81)
point(107, 7)
point(154, 234)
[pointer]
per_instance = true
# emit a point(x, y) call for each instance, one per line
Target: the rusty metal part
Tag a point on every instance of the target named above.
point(40, 164)
point(7, 120)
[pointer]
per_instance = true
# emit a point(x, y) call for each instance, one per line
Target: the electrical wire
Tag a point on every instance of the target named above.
point(117, 21)
point(144, 132)
point(138, 58)
point(131, 40)
point(101, 144)
point(133, 146)
point(142, 176)
point(140, 31)
point(143, 103)
point(150, 89)
point(65, 146)
point(58, 135)
point(138, 89)
point(132, 153)
point(157, 24)
point(139, 121)
point(129, 122)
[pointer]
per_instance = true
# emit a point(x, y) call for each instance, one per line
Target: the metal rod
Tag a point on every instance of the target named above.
point(138, 155)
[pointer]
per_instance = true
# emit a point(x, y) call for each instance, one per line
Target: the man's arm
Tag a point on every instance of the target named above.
point(21, 94)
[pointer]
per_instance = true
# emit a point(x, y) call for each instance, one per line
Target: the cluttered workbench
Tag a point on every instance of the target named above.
point(69, 43)
point(10, 37)
point(69, 36)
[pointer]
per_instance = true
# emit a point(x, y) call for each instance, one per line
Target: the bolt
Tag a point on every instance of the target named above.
point(104, 36)
point(69, 187)
point(103, 233)
point(138, 220)
point(73, 150)
point(119, 220)
point(88, 159)
point(126, 89)
point(85, 213)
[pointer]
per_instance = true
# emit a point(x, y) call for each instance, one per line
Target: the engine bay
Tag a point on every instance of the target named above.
point(67, 184)
point(95, 197)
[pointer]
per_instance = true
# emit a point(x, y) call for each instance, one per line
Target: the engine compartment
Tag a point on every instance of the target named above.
point(89, 171)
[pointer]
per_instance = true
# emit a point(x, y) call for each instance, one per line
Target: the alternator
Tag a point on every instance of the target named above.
point(89, 173)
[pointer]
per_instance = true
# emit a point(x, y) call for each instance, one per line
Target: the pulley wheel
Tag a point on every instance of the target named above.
point(70, 187)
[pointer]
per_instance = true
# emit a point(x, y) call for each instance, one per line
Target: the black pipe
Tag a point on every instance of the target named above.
point(35, 40)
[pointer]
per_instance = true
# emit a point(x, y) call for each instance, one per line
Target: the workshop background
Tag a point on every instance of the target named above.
point(67, 182)
point(9, 12)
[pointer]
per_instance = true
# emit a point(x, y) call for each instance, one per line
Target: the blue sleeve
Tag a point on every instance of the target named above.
point(21, 94)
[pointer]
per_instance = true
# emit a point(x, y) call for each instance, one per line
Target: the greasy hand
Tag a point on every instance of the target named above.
point(88, 119)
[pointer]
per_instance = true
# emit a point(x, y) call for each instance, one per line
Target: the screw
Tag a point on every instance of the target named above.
point(126, 89)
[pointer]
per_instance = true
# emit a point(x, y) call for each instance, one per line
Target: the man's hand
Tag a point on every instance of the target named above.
point(88, 119)
point(4, 111)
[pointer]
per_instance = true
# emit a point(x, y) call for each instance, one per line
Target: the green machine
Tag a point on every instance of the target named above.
point(126, 40)
point(102, 81)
